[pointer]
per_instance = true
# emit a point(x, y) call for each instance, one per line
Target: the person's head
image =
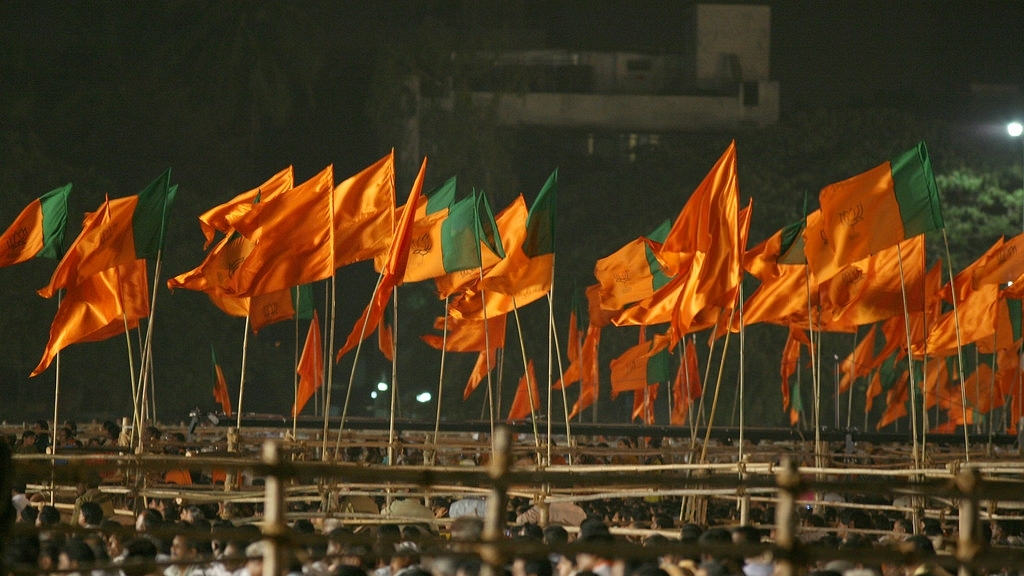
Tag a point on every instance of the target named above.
point(41, 426)
point(467, 529)
point(90, 514)
point(148, 520)
point(184, 546)
point(28, 515)
point(140, 556)
point(28, 438)
point(555, 535)
point(595, 539)
point(254, 558)
point(75, 554)
point(48, 517)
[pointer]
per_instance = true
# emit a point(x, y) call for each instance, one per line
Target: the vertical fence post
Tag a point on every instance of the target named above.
point(273, 510)
point(789, 482)
point(969, 541)
point(494, 520)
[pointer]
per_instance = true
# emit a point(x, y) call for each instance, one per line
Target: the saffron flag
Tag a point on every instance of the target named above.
point(527, 399)
point(292, 240)
point(121, 231)
point(468, 335)
point(98, 307)
point(632, 272)
point(311, 366)
point(687, 386)
point(1005, 264)
point(364, 213)
point(859, 363)
point(589, 368)
point(425, 251)
point(485, 362)
point(525, 274)
point(526, 269)
point(220, 386)
point(572, 347)
point(634, 369)
point(224, 216)
point(392, 270)
point(788, 367)
point(38, 231)
point(643, 404)
point(876, 209)
point(895, 402)
point(386, 338)
point(874, 288)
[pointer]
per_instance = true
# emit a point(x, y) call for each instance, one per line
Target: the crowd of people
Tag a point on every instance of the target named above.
point(410, 535)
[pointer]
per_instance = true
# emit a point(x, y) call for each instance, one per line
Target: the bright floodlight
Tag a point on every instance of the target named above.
point(1014, 129)
point(382, 386)
point(423, 397)
point(373, 394)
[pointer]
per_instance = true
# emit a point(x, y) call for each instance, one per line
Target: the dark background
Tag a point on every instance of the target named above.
point(107, 95)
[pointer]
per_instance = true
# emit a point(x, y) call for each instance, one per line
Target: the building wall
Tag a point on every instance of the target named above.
point(733, 43)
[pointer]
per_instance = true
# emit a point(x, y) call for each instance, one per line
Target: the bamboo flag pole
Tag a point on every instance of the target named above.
point(815, 367)
point(703, 387)
point(910, 360)
point(849, 396)
point(742, 366)
point(529, 384)
point(352, 372)
point(718, 387)
point(394, 376)
point(561, 373)
point(330, 366)
point(551, 330)
point(241, 378)
point(147, 350)
point(959, 347)
point(295, 366)
point(487, 358)
point(56, 421)
point(440, 378)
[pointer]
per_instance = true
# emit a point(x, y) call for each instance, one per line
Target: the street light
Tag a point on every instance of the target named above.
point(1015, 129)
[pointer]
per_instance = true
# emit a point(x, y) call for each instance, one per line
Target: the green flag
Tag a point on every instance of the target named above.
point(540, 223)
point(149, 220)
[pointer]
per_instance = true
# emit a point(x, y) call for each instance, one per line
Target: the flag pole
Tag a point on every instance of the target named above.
point(295, 371)
point(440, 378)
point(241, 378)
point(959, 346)
point(718, 387)
point(332, 304)
point(394, 374)
point(53, 430)
point(742, 364)
point(849, 396)
point(561, 373)
point(352, 373)
point(917, 452)
point(529, 390)
point(147, 350)
point(703, 386)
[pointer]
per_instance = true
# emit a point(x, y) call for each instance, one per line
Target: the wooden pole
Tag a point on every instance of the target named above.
point(788, 479)
point(241, 378)
point(959, 347)
point(494, 524)
point(274, 526)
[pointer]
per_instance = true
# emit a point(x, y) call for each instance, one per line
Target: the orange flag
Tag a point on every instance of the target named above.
point(1005, 264)
point(588, 369)
point(98, 307)
point(573, 372)
point(872, 289)
point(38, 231)
point(629, 371)
point(859, 363)
point(364, 213)
point(485, 362)
point(936, 382)
point(311, 366)
point(468, 335)
point(106, 241)
point(392, 272)
point(643, 404)
point(895, 402)
point(292, 237)
point(791, 360)
point(527, 399)
point(687, 386)
point(385, 340)
point(781, 300)
point(631, 273)
point(224, 216)
point(220, 385)
point(875, 209)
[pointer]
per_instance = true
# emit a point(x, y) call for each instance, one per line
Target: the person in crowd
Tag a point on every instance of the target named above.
point(90, 516)
point(88, 490)
point(29, 443)
point(76, 557)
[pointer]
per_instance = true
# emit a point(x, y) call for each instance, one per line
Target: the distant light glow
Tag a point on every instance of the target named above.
point(373, 394)
point(423, 397)
point(1014, 129)
point(382, 386)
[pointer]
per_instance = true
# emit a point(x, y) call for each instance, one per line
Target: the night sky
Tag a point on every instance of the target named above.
point(78, 102)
